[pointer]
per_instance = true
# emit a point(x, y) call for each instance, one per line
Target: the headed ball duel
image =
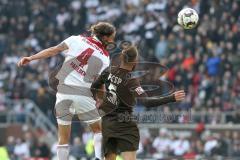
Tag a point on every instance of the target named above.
point(151, 79)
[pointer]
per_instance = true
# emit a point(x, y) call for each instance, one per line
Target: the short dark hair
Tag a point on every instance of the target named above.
point(130, 54)
point(102, 29)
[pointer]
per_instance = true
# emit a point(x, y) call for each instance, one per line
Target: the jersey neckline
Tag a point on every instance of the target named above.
point(99, 44)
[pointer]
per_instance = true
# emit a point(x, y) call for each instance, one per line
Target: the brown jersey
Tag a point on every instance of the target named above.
point(122, 91)
point(120, 97)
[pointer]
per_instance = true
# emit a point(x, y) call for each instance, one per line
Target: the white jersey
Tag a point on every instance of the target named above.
point(85, 59)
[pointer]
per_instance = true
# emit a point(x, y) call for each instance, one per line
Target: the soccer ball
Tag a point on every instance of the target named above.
point(188, 18)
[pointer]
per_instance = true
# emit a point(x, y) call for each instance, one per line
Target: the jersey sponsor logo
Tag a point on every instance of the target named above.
point(78, 69)
point(139, 90)
point(114, 79)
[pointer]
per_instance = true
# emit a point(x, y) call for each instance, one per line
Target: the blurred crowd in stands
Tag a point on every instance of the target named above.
point(157, 144)
point(204, 61)
point(189, 145)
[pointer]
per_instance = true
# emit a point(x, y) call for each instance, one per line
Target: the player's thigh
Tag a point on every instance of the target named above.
point(64, 117)
point(64, 132)
point(111, 156)
point(63, 109)
point(109, 146)
point(130, 155)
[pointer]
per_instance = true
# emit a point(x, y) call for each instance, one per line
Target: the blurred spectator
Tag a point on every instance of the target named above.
point(162, 144)
point(180, 146)
point(10, 145)
point(236, 144)
point(210, 144)
point(86, 136)
point(188, 62)
point(40, 149)
point(190, 154)
point(213, 64)
point(89, 148)
point(78, 148)
point(4, 153)
point(21, 149)
point(161, 48)
point(200, 128)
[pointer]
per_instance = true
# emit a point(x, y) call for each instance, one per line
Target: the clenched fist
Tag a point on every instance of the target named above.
point(179, 95)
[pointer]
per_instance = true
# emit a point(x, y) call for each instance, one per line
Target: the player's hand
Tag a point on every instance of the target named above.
point(179, 95)
point(24, 61)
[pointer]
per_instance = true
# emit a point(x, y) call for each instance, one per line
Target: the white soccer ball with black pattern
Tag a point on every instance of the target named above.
point(188, 18)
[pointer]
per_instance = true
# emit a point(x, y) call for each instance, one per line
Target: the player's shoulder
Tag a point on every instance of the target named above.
point(111, 69)
point(133, 82)
point(73, 38)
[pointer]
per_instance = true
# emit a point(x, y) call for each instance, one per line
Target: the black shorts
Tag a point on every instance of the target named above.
point(119, 136)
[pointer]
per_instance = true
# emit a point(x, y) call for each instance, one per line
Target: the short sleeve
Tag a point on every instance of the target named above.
point(70, 41)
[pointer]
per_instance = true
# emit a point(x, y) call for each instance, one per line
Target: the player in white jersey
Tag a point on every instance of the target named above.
point(85, 59)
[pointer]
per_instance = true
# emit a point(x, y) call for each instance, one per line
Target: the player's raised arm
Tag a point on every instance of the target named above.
point(49, 52)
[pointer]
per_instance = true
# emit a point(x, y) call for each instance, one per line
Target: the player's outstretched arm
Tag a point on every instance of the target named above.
point(49, 52)
point(151, 102)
